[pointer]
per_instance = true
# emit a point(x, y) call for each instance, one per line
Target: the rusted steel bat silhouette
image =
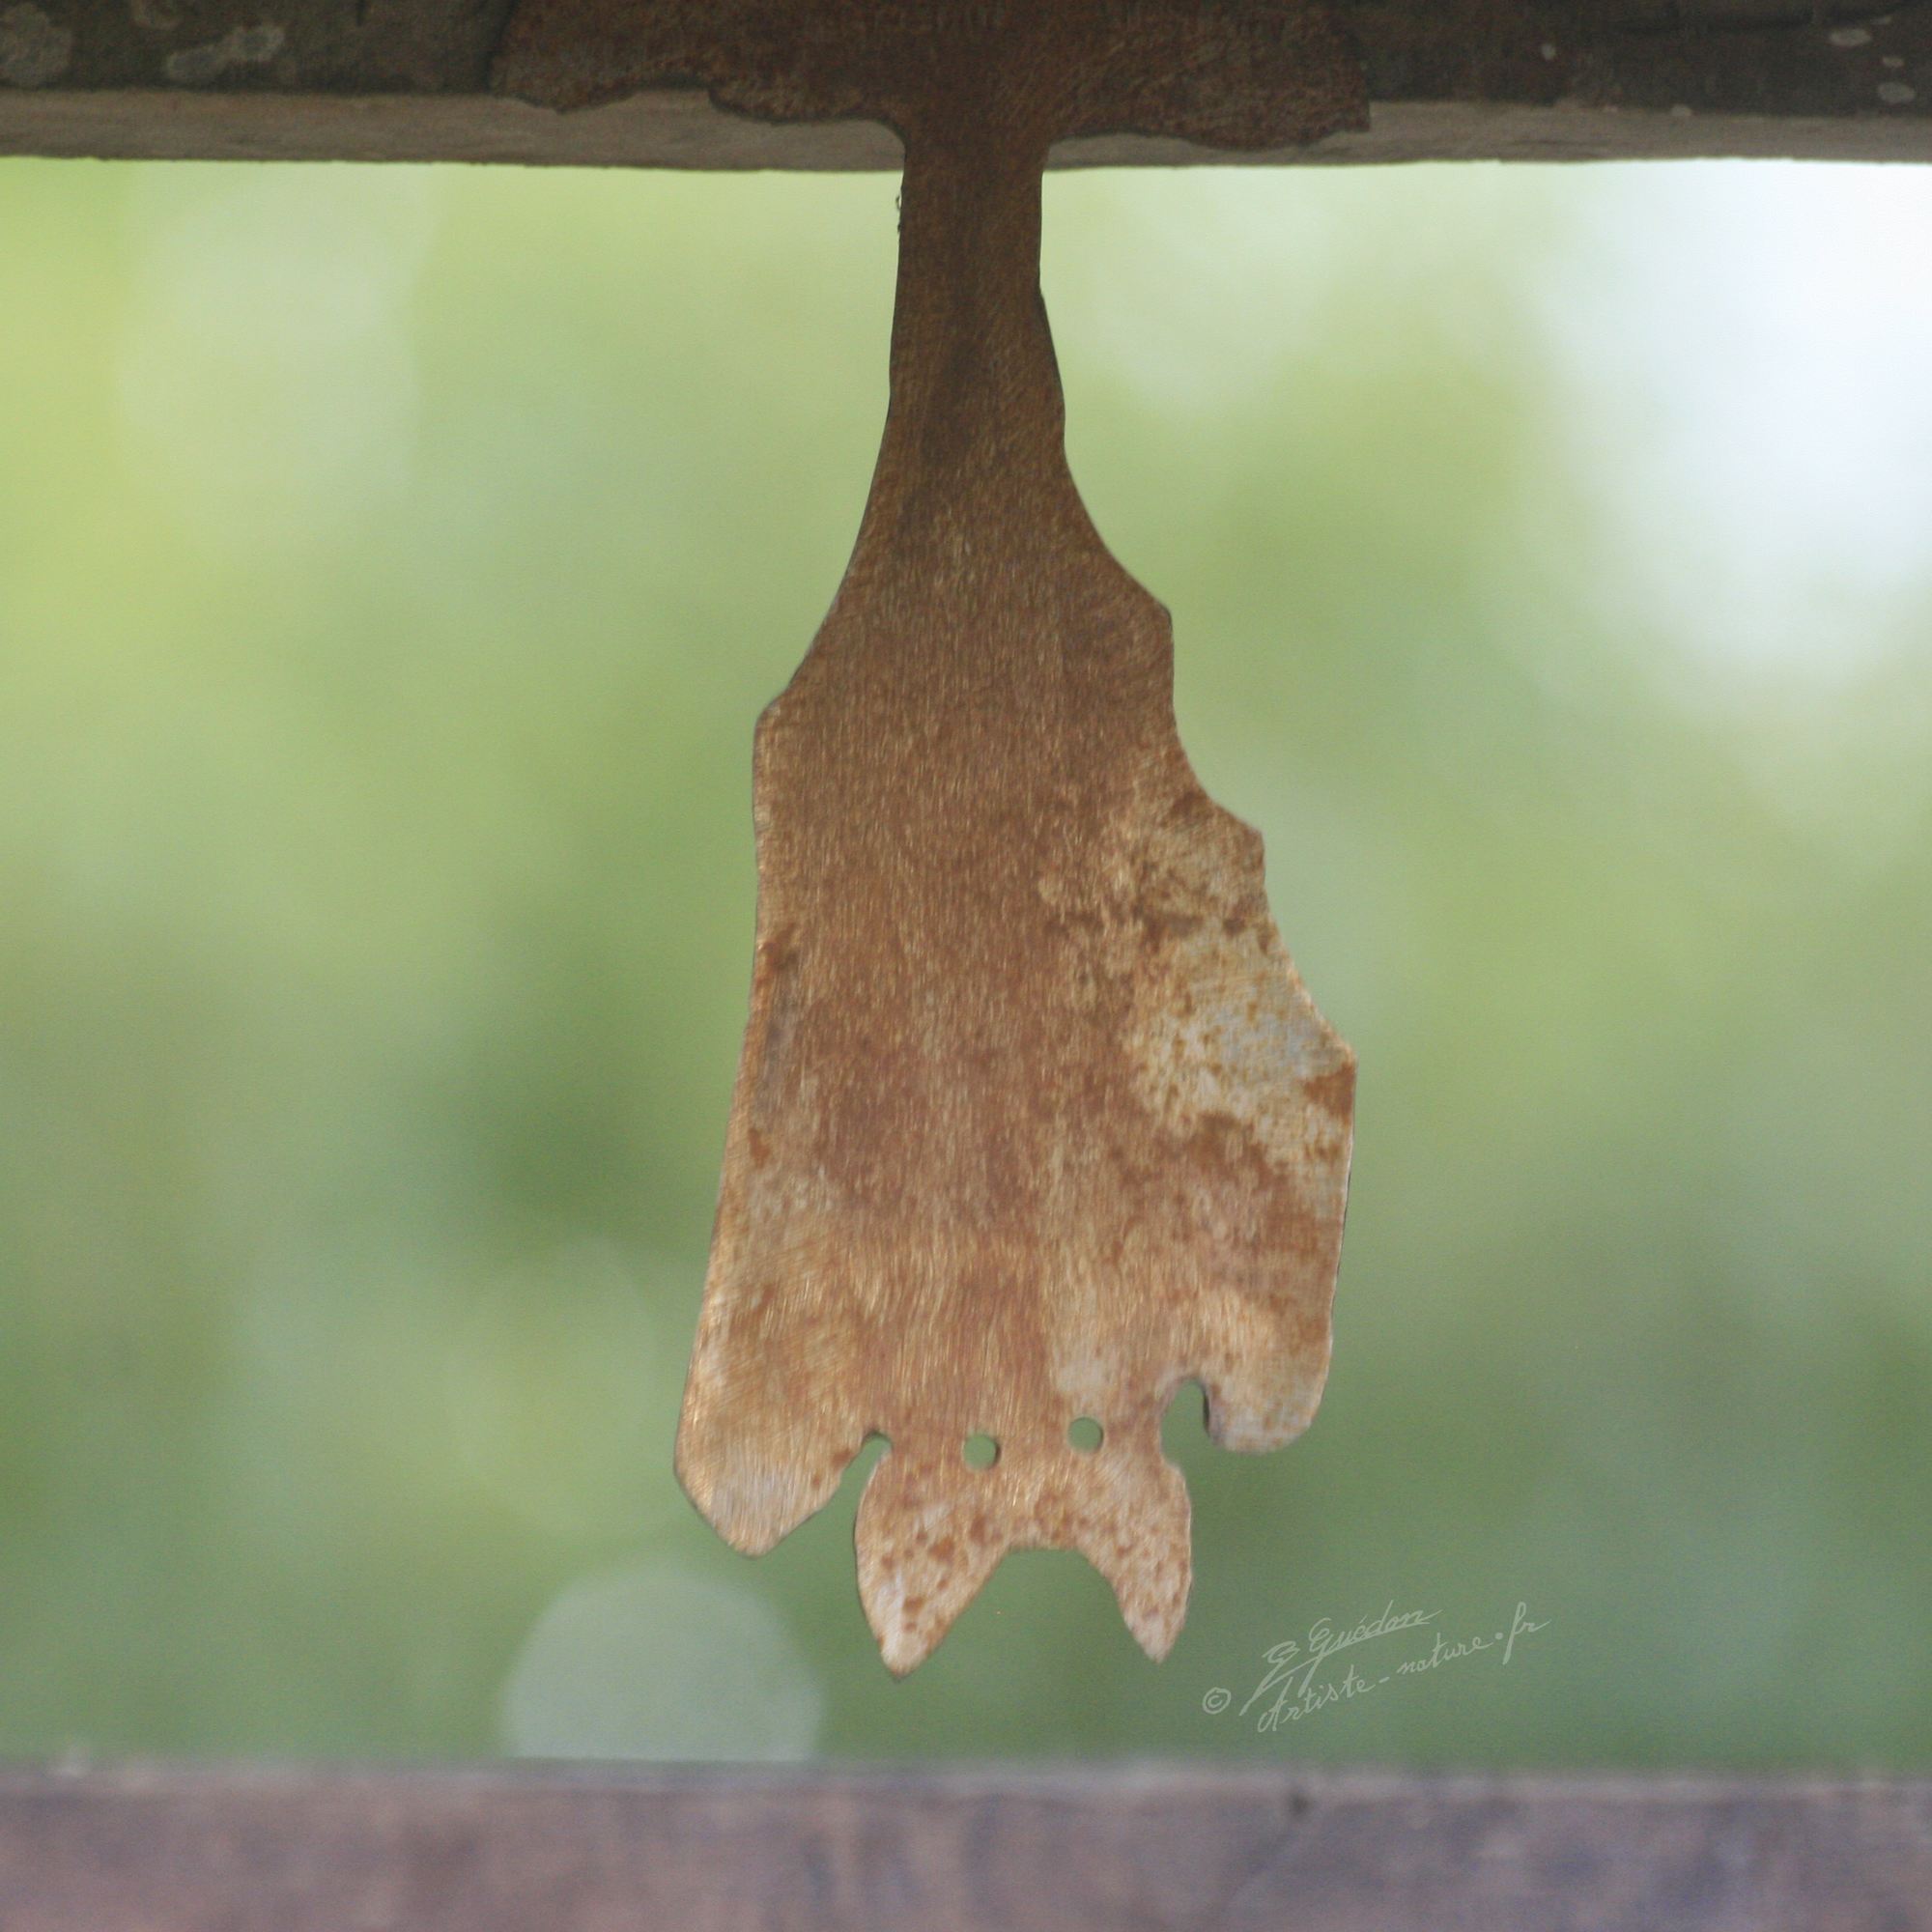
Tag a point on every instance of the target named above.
point(1035, 1120)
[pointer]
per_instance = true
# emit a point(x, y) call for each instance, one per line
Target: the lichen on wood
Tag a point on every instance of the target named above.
point(410, 79)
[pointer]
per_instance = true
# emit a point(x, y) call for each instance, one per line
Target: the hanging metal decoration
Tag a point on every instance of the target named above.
point(1035, 1120)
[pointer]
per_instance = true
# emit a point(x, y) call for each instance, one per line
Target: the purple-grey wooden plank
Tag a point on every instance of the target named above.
point(528, 1849)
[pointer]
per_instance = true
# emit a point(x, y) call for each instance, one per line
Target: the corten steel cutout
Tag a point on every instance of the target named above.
point(1035, 1120)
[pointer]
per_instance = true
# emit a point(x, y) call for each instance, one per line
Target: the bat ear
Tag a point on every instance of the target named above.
point(1273, 75)
point(1137, 1533)
point(931, 1530)
point(924, 1549)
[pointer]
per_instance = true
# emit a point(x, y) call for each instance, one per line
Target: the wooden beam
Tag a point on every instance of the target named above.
point(1093, 1849)
point(1517, 79)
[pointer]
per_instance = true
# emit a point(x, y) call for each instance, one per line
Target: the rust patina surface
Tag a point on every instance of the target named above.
point(1035, 1120)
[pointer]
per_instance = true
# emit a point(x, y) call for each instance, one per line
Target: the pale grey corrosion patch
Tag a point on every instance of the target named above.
point(33, 48)
point(240, 46)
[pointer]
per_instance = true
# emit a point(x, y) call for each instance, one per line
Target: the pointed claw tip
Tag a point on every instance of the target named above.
point(748, 1522)
point(747, 1540)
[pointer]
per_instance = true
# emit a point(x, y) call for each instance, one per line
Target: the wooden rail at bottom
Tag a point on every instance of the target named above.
point(534, 1849)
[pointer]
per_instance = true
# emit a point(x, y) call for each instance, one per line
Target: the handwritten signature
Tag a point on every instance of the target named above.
point(1297, 1680)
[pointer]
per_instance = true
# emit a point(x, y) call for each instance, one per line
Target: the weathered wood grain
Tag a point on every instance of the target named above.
point(408, 79)
point(1160, 1849)
point(1035, 1120)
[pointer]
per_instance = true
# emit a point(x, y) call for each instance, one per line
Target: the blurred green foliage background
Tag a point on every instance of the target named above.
point(393, 564)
